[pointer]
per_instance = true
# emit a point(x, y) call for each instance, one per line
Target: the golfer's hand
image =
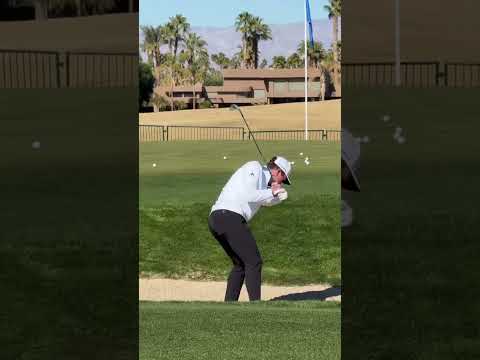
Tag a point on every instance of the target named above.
point(282, 195)
point(276, 188)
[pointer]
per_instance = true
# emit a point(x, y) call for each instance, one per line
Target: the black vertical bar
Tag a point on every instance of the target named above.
point(383, 74)
point(22, 66)
point(17, 71)
point(116, 70)
point(446, 70)
point(370, 74)
point(67, 69)
point(77, 64)
point(42, 72)
point(4, 70)
point(94, 70)
point(478, 74)
point(33, 58)
point(57, 60)
point(124, 69)
point(102, 70)
point(84, 71)
point(455, 81)
point(50, 72)
point(11, 70)
point(414, 77)
point(354, 75)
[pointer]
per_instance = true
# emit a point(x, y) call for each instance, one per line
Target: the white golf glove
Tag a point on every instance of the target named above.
point(281, 194)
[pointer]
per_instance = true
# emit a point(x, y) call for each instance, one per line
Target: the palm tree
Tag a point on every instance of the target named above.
point(315, 53)
point(334, 10)
point(279, 62)
point(221, 60)
point(236, 61)
point(153, 39)
point(197, 59)
point(177, 27)
point(173, 33)
point(294, 61)
point(243, 25)
point(258, 31)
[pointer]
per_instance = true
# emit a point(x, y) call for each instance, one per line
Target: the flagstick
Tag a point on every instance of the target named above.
point(306, 94)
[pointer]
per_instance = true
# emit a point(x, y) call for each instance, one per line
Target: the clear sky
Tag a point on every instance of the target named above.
point(222, 13)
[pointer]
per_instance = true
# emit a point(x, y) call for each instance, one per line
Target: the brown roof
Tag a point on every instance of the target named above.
point(213, 88)
point(229, 88)
point(179, 88)
point(267, 73)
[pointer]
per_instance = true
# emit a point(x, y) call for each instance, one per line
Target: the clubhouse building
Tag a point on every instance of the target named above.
point(255, 87)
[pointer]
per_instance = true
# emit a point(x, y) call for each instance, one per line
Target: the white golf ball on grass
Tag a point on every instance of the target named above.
point(301, 154)
point(154, 165)
point(224, 158)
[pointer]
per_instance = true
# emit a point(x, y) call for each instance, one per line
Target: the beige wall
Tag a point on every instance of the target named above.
point(79, 34)
point(431, 30)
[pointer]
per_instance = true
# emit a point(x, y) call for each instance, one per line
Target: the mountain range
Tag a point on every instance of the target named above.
point(285, 38)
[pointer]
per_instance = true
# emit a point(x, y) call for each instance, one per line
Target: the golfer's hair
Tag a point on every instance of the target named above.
point(271, 164)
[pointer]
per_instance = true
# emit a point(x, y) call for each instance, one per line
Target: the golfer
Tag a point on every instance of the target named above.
point(249, 188)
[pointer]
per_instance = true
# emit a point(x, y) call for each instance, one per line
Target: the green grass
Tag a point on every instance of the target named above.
point(411, 259)
point(69, 248)
point(276, 330)
point(299, 240)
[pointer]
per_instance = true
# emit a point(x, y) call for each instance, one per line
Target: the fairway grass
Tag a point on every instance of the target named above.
point(299, 239)
point(414, 243)
point(264, 330)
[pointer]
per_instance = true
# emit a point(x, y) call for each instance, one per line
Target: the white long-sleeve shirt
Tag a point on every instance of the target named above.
point(246, 191)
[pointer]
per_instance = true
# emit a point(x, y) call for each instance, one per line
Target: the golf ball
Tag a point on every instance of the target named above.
point(224, 158)
point(292, 162)
point(36, 145)
point(301, 154)
point(154, 165)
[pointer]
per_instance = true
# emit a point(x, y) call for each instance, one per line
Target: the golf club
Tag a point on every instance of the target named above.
point(234, 107)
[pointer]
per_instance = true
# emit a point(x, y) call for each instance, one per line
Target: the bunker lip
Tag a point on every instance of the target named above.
point(161, 289)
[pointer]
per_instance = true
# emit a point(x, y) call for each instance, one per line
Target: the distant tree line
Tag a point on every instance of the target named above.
point(178, 56)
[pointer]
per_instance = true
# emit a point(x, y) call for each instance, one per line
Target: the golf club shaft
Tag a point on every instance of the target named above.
point(253, 137)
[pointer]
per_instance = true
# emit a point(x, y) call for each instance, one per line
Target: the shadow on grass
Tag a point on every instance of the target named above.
point(311, 295)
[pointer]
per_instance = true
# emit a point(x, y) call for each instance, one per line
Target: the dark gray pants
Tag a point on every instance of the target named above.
point(232, 232)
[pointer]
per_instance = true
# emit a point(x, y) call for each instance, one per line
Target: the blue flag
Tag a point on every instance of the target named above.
point(309, 20)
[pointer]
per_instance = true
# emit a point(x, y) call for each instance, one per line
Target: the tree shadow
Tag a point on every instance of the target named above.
point(311, 295)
